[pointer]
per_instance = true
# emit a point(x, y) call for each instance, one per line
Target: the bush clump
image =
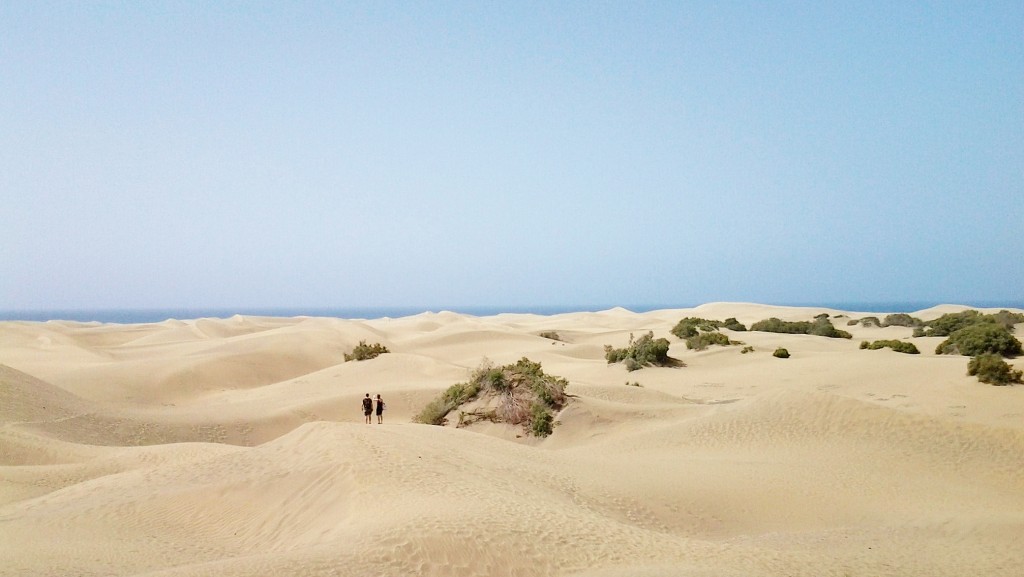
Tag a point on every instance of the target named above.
point(949, 323)
point(774, 325)
point(866, 322)
point(1008, 319)
point(821, 327)
point(436, 411)
point(640, 353)
point(365, 352)
point(902, 320)
point(747, 349)
point(981, 338)
point(702, 341)
point(781, 353)
point(524, 395)
point(550, 335)
point(541, 420)
point(992, 369)
point(898, 346)
point(690, 326)
point(733, 325)
point(700, 333)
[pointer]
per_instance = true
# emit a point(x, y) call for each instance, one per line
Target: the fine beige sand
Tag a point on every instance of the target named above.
point(231, 447)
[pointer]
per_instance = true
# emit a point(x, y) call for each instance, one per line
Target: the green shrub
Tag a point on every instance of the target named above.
point(823, 327)
point(898, 346)
point(1008, 319)
point(437, 410)
point(689, 327)
point(517, 386)
point(364, 352)
point(541, 420)
point(633, 384)
point(434, 413)
point(702, 341)
point(781, 353)
point(902, 320)
point(640, 352)
point(820, 327)
point(550, 335)
point(977, 339)
point(733, 325)
point(992, 369)
point(747, 349)
point(774, 325)
point(949, 323)
point(870, 322)
point(520, 388)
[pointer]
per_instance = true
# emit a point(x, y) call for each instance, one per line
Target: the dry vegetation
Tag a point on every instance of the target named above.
point(518, 394)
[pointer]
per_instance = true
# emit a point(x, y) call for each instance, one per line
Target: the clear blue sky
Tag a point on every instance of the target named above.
point(290, 154)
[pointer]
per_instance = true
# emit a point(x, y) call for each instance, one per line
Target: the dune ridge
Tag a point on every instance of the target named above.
point(236, 447)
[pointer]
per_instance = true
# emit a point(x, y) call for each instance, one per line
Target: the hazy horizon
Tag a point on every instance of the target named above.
point(177, 155)
point(148, 315)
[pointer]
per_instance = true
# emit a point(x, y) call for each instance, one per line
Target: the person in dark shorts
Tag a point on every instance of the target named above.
point(367, 408)
point(380, 410)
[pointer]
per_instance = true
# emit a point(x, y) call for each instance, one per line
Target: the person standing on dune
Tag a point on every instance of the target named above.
point(367, 408)
point(380, 410)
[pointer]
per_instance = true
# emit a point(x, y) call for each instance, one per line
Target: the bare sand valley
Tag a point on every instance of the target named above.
point(236, 447)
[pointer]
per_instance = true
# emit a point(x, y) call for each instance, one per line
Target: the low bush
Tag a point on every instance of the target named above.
point(949, 323)
point(541, 420)
point(365, 352)
point(640, 353)
point(898, 346)
point(781, 353)
point(733, 325)
point(774, 325)
point(821, 327)
point(870, 322)
point(992, 369)
point(981, 338)
point(902, 320)
point(436, 411)
point(525, 395)
point(690, 326)
point(550, 335)
point(633, 384)
point(1008, 319)
point(747, 349)
point(702, 341)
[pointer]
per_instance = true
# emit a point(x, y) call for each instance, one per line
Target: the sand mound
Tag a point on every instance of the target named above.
point(26, 398)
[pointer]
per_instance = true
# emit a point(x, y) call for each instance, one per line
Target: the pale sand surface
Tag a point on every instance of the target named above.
point(230, 447)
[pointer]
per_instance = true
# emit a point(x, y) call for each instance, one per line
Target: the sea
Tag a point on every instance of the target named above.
point(133, 316)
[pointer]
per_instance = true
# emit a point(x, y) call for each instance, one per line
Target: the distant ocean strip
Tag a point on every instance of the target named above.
point(132, 316)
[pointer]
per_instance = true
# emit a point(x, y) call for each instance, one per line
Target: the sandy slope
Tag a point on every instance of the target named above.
point(235, 447)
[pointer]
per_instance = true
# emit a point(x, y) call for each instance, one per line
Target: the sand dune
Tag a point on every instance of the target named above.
point(236, 447)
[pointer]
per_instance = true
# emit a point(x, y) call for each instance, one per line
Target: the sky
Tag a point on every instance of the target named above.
point(374, 154)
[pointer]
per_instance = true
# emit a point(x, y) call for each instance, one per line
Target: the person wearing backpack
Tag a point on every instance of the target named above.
point(380, 410)
point(367, 408)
